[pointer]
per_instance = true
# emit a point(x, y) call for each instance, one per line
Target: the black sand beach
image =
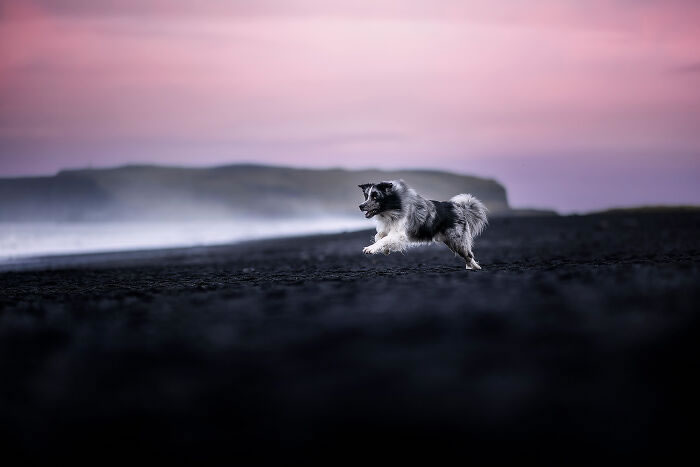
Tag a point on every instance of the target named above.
point(579, 337)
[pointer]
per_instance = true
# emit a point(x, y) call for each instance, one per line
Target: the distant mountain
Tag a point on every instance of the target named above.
point(174, 193)
point(659, 209)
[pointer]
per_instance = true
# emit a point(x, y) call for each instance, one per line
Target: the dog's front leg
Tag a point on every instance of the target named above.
point(386, 245)
point(377, 247)
point(379, 236)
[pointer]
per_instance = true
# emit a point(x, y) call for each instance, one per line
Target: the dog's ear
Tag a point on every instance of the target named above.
point(365, 186)
point(385, 187)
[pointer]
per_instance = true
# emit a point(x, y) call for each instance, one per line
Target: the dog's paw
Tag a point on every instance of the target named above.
point(473, 265)
point(373, 250)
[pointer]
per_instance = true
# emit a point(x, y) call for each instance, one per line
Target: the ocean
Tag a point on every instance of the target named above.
point(36, 239)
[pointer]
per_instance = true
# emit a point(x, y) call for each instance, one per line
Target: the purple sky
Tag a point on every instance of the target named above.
point(574, 105)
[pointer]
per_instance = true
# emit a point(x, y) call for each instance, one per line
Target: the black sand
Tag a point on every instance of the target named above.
point(579, 337)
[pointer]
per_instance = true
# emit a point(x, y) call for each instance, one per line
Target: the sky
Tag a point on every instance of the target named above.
point(572, 105)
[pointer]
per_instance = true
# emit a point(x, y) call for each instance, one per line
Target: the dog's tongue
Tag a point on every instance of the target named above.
point(368, 214)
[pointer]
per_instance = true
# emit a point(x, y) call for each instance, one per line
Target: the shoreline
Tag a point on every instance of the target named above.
point(112, 257)
point(109, 258)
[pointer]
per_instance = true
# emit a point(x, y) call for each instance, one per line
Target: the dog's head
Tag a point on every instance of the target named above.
point(379, 198)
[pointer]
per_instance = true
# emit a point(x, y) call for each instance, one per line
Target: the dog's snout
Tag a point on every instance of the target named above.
point(362, 207)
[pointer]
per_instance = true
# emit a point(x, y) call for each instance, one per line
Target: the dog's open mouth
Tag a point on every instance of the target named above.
point(371, 213)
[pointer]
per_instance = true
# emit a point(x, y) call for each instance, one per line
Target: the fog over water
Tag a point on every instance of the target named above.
point(148, 207)
point(30, 239)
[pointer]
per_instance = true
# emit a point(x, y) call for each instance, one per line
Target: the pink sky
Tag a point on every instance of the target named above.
point(574, 105)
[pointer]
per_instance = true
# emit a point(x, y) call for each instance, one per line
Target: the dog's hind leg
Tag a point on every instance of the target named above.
point(465, 253)
point(457, 249)
point(471, 262)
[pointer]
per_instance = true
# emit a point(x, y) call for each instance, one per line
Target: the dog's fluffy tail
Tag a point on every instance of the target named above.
point(474, 212)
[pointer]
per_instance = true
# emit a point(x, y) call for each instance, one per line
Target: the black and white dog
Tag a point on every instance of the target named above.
point(404, 218)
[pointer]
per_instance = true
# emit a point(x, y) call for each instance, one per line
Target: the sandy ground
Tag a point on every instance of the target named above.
point(579, 337)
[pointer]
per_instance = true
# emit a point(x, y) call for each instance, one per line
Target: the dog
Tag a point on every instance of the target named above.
point(404, 219)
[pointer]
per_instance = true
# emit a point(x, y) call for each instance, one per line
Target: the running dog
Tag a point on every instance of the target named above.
point(404, 219)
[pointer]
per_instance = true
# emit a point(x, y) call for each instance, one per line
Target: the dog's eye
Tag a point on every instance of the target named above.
point(374, 196)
